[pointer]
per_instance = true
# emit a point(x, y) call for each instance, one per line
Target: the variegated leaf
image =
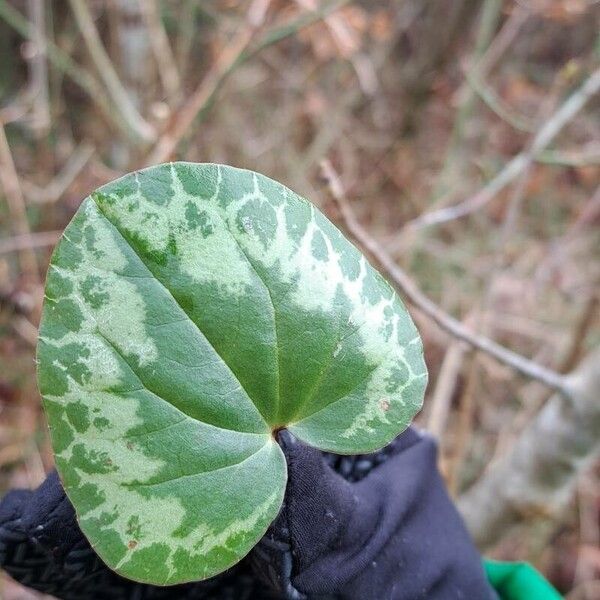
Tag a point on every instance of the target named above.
point(191, 311)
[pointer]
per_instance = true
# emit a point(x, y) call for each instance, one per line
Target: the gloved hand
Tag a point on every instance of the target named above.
point(369, 527)
point(42, 547)
point(381, 527)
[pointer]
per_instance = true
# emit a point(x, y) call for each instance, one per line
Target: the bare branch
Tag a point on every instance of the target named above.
point(39, 68)
point(18, 108)
point(52, 191)
point(208, 87)
point(143, 130)
point(444, 389)
point(63, 62)
point(410, 289)
point(589, 155)
point(26, 329)
point(239, 50)
point(167, 67)
point(29, 240)
point(16, 207)
point(503, 40)
point(519, 163)
point(557, 250)
point(292, 27)
point(490, 15)
point(497, 105)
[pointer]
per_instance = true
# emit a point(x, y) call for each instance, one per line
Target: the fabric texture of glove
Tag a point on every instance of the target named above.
point(42, 547)
point(387, 530)
point(354, 527)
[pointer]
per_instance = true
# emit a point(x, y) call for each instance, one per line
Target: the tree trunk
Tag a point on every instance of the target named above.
point(538, 478)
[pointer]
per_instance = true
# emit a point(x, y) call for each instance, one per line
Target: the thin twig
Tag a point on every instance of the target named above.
point(39, 239)
point(584, 158)
point(583, 326)
point(143, 130)
point(464, 428)
point(507, 228)
point(39, 68)
point(52, 191)
point(63, 62)
point(453, 161)
point(517, 165)
point(515, 202)
point(448, 323)
point(557, 251)
point(589, 532)
point(18, 108)
point(482, 325)
point(445, 387)
point(167, 67)
point(503, 40)
point(26, 329)
point(208, 87)
point(187, 11)
point(241, 49)
point(348, 45)
point(16, 207)
point(497, 105)
point(292, 27)
point(571, 356)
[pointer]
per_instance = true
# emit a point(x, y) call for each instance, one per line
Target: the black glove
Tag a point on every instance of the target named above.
point(369, 527)
point(393, 534)
point(42, 547)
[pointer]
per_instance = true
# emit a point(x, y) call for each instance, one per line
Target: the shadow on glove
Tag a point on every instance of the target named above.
point(392, 534)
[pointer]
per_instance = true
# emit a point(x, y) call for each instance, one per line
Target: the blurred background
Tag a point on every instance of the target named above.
point(458, 143)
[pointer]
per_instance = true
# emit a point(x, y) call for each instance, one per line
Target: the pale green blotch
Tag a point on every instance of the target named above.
point(250, 275)
point(175, 230)
point(314, 267)
point(113, 306)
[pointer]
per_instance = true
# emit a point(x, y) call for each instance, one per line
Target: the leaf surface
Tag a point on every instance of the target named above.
point(191, 310)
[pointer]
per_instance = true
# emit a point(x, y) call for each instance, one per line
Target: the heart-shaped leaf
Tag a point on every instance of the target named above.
point(191, 311)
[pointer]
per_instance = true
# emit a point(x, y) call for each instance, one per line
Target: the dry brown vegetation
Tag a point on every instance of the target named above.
point(457, 142)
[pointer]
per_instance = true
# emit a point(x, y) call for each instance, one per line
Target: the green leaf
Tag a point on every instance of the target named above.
point(191, 311)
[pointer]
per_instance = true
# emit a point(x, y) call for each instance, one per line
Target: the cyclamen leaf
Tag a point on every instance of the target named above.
point(191, 311)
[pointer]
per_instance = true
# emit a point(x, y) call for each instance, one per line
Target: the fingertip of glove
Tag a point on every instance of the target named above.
point(25, 509)
point(49, 502)
point(286, 439)
point(303, 461)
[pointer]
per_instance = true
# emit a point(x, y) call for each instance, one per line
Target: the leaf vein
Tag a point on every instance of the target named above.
point(168, 291)
point(261, 279)
point(155, 395)
point(143, 484)
point(346, 395)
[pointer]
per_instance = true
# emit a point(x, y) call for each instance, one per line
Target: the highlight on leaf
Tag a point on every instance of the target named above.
point(191, 311)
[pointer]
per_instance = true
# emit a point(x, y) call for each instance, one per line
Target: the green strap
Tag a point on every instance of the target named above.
point(518, 581)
